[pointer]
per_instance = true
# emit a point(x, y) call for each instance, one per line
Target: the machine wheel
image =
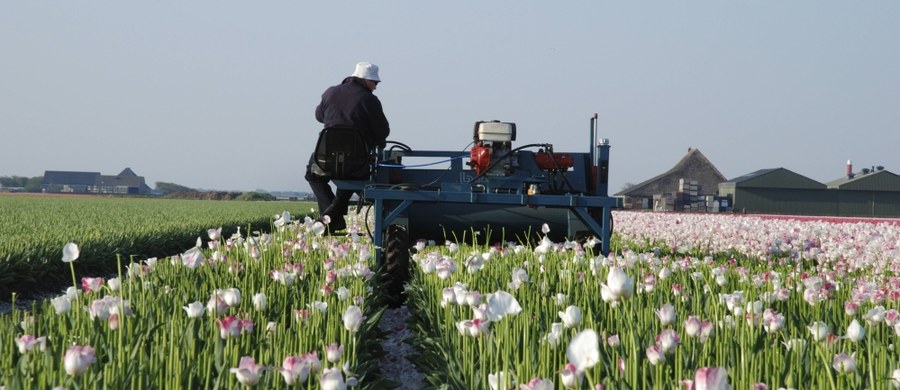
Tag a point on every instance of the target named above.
point(396, 264)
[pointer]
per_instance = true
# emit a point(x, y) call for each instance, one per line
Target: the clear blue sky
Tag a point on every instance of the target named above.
point(220, 94)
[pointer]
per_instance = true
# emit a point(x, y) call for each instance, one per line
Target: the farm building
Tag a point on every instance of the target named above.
point(689, 186)
point(125, 183)
point(868, 193)
point(776, 191)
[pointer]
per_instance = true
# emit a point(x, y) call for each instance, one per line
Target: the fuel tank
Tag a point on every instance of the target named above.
point(489, 223)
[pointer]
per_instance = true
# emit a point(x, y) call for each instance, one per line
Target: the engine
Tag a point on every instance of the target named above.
point(492, 153)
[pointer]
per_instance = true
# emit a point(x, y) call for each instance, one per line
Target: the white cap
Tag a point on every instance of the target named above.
point(368, 71)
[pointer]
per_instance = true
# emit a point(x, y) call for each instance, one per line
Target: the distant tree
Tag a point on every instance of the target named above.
point(627, 185)
point(256, 196)
point(34, 184)
point(13, 181)
point(167, 188)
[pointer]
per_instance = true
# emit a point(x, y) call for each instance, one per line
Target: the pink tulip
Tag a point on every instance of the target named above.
point(537, 384)
point(850, 308)
point(216, 305)
point(230, 327)
point(100, 308)
point(666, 314)
point(113, 321)
point(92, 284)
point(613, 341)
point(248, 372)
point(311, 359)
point(713, 378)
point(655, 355)
point(214, 234)
point(301, 315)
point(27, 343)
point(192, 258)
point(333, 352)
point(448, 296)
point(707, 330)
point(473, 328)
point(844, 363)
point(332, 379)
point(772, 322)
point(77, 359)
point(473, 298)
point(692, 326)
point(570, 376)
point(294, 370)
point(246, 326)
point(892, 317)
point(667, 340)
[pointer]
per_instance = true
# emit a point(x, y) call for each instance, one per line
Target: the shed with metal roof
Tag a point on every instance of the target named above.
point(778, 191)
point(869, 192)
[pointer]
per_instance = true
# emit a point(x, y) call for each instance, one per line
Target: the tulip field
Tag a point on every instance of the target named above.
point(692, 301)
point(34, 228)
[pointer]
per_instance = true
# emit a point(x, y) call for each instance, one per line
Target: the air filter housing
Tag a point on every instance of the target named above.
point(494, 131)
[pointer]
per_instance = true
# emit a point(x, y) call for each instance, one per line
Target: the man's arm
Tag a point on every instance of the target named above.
point(320, 112)
point(378, 122)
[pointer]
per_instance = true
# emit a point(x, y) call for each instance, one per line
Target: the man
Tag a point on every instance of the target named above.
point(348, 104)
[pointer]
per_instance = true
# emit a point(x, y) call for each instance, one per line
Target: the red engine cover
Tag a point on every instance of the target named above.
point(479, 158)
point(545, 161)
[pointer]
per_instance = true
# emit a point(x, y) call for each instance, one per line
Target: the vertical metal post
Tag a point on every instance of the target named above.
point(602, 159)
point(606, 220)
point(602, 169)
point(378, 235)
point(593, 134)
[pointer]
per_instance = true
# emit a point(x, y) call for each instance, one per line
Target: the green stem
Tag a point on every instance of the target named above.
point(72, 267)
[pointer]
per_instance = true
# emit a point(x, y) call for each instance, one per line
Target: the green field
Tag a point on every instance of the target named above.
point(33, 230)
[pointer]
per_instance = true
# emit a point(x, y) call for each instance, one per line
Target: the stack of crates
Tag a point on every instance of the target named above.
point(664, 202)
point(635, 203)
point(688, 197)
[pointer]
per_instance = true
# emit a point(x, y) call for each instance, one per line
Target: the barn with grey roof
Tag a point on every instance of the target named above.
point(73, 182)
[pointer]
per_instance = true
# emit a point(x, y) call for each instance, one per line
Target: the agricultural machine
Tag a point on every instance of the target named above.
point(502, 192)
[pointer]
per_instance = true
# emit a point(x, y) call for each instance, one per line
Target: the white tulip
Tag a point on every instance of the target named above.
point(584, 350)
point(353, 318)
point(571, 317)
point(819, 330)
point(194, 310)
point(855, 332)
point(61, 304)
point(70, 252)
point(259, 301)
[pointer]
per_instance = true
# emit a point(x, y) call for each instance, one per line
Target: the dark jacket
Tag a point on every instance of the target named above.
point(352, 104)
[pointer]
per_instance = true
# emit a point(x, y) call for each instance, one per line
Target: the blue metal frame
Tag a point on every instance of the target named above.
point(455, 185)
